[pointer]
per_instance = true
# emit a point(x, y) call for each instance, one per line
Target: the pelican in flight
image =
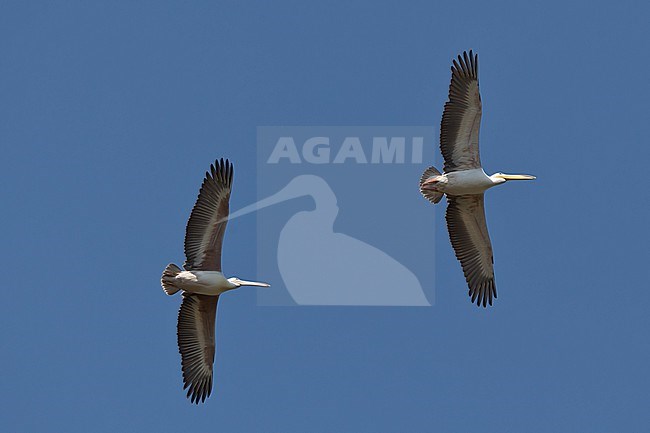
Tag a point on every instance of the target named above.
point(202, 281)
point(464, 180)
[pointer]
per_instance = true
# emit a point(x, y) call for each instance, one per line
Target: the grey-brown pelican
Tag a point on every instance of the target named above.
point(464, 181)
point(202, 281)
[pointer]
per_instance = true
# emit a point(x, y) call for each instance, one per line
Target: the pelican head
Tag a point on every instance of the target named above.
point(238, 283)
point(502, 177)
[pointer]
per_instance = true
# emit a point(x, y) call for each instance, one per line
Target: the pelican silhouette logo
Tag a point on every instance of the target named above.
point(338, 216)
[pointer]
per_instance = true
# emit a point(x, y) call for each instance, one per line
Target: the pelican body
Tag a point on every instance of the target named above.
point(202, 281)
point(210, 283)
point(464, 181)
point(473, 181)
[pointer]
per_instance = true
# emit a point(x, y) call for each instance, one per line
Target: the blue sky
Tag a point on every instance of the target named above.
point(111, 113)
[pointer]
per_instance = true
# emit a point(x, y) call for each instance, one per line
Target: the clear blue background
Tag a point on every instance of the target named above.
point(110, 113)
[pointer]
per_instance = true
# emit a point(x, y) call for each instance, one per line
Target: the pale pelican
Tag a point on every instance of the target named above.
point(464, 181)
point(202, 281)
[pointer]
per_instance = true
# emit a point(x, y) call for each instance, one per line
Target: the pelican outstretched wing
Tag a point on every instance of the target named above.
point(461, 119)
point(196, 344)
point(207, 223)
point(471, 241)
